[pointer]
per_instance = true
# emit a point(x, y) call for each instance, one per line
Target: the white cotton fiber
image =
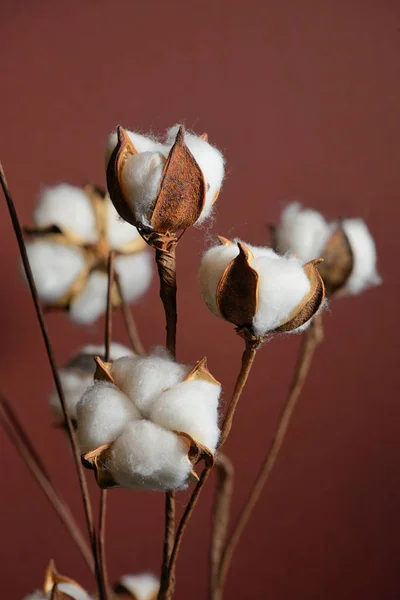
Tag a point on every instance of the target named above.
point(69, 208)
point(302, 231)
point(118, 231)
point(116, 351)
point(140, 180)
point(212, 267)
point(102, 413)
point(74, 383)
point(73, 591)
point(282, 285)
point(36, 595)
point(210, 161)
point(148, 456)
point(135, 274)
point(143, 586)
point(55, 268)
point(141, 142)
point(143, 378)
point(91, 302)
point(364, 273)
point(192, 407)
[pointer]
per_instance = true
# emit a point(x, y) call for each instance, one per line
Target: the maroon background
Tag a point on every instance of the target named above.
point(303, 99)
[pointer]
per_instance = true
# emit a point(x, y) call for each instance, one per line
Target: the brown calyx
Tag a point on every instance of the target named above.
point(53, 579)
point(310, 304)
point(200, 371)
point(338, 261)
point(96, 460)
point(237, 292)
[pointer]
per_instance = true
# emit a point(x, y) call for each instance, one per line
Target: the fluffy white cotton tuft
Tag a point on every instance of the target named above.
point(55, 268)
point(143, 378)
point(210, 161)
point(282, 285)
point(143, 586)
point(116, 351)
point(102, 413)
point(141, 179)
point(147, 456)
point(302, 231)
point(212, 267)
point(192, 407)
point(91, 302)
point(135, 274)
point(69, 208)
point(118, 231)
point(142, 143)
point(364, 273)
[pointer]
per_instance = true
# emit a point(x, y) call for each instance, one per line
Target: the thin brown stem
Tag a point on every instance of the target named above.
point(247, 362)
point(50, 354)
point(166, 265)
point(220, 515)
point(311, 339)
point(167, 590)
point(129, 321)
point(108, 330)
point(102, 542)
point(32, 460)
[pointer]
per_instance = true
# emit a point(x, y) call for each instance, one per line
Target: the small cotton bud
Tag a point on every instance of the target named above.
point(259, 291)
point(138, 430)
point(346, 246)
point(142, 586)
point(163, 188)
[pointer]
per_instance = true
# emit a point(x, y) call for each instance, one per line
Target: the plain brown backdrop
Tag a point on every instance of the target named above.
point(303, 99)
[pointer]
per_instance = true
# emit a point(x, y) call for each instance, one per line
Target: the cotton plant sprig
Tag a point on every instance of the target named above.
point(349, 268)
point(50, 355)
point(162, 189)
point(261, 294)
point(74, 231)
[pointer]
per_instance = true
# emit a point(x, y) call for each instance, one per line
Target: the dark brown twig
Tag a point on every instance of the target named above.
point(220, 515)
point(311, 339)
point(24, 447)
point(50, 354)
point(129, 321)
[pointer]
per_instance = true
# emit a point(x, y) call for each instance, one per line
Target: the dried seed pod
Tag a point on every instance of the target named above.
point(259, 291)
point(163, 188)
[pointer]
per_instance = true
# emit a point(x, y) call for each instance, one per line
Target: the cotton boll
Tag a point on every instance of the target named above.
point(74, 383)
point(102, 413)
point(282, 285)
point(118, 231)
point(69, 208)
point(143, 586)
point(212, 267)
point(302, 231)
point(73, 591)
point(142, 143)
point(141, 179)
point(55, 268)
point(210, 161)
point(364, 273)
point(91, 302)
point(149, 457)
point(135, 274)
point(191, 407)
point(143, 378)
